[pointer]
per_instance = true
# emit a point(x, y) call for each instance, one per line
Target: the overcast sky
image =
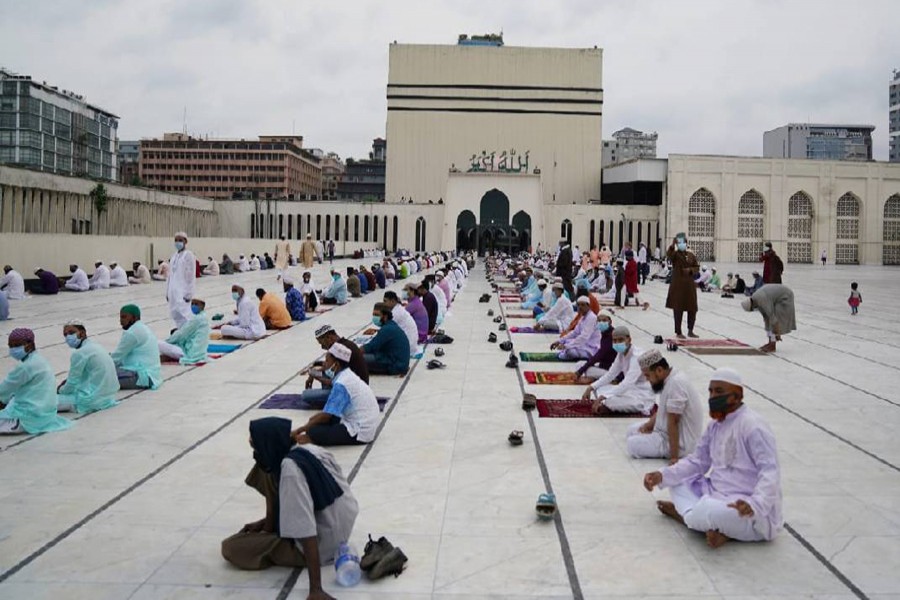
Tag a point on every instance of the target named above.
point(709, 76)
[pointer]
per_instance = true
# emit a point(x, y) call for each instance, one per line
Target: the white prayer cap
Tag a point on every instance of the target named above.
point(74, 323)
point(558, 286)
point(727, 375)
point(309, 236)
point(288, 280)
point(323, 330)
point(747, 304)
point(113, 262)
point(340, 352)
point(542, 282)
point(621, 331)
point(583, 300)
point(181, 234)
point(438, 275)
point(605, 313)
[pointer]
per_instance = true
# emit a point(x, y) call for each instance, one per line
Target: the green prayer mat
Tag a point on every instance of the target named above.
point(543, 357)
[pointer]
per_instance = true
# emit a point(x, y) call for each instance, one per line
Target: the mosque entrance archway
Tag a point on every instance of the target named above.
point(494, 208)
point(521, 223)
point(466, 231)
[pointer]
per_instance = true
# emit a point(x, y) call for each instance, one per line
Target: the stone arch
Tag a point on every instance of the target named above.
point(494, 208)
point(466, 230)
point(521, 223)
point(702, 224)
point(751, 225)
point(846, 251)
point(800, 217)
point(420, 234)
point(890, 253)
point(565, 231)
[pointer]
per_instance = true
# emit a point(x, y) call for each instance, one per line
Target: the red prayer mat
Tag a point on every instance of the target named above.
point(520, 316)
point(708, 343)
point(552, 378)
point(577, 409)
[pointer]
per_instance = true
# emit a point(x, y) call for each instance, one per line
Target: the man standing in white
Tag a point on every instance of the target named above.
point(633, 393)
point(678, 423)
point(180, 284)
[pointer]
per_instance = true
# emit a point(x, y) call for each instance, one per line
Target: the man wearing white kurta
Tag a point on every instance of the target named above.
point(248, 325)
point(78, 282)
point(180, 285)
point(141, 274)
point(117, 275)
point(404, 320)
point(282, 252)
point(678, 423)
point(632, 394)
point(100, 279)
point(212, 267)
point(12, 283)
point(560, 314)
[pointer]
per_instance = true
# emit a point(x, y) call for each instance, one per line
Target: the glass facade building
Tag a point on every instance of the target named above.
point(45, 128)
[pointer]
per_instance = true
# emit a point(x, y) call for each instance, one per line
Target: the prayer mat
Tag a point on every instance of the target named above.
point(529, 330)
point(733, 350)
point(222, 348)
point(553, 378)
point(544, 357)
point(296, 402)
point(510, 301)
point(707, 343)
point(578, 409)
point(513, 315)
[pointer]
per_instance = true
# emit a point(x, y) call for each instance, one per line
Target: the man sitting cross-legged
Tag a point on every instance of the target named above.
point(91, 383)
point(729, 487)
point(137, 355)
point(633, 392)
point(388, 352)
point(584, 340)
point(351, 413)
point(673, 430)
point(326, 336)
point(188, 343)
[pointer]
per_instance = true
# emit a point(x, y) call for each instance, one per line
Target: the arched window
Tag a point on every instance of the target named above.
point(702, 224)
point(890, 254)
point(366, 228)
point(261, 226)
point(565, 231)
point(271, 226)
point(318, 227)
point(290, 231)
point(384, 237)
point(346, 228)
point(280, 225)
point(337, 228)
point(602, 241)
point(751, 230)
point(299, 226)
point(846, 251)
point(420, 234)
point(593, 228)
point(800, 228)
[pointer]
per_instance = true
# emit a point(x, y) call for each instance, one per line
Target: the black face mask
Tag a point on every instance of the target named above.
point(127, 326)
point(719, 404)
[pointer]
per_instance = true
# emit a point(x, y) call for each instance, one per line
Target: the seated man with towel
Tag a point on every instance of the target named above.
point(633, 393)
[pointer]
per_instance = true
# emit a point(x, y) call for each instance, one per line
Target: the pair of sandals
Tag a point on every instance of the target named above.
point(506, 346)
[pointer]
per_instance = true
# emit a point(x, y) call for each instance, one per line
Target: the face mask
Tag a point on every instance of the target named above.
point(336, 277)
point(329, 373)
point(766, 248)
point(376, 321)
point(235, 296)
point(602, 326)
point(195, 309)
point(682, 246)
point(72, 340)
point(620, 348)
point(719, 404)
point(404, 296)
point(18, 353)
point(179, 246)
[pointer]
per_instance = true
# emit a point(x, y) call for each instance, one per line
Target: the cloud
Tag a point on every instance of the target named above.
point(709, 76)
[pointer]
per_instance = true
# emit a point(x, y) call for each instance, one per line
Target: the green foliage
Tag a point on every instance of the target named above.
point(99, 197)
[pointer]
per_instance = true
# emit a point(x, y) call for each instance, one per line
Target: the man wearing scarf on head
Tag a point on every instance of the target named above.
point(310, 509)
point(28, 394)
point(740, 498)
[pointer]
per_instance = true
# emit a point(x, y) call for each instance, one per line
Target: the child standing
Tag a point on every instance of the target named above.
point(855, 298)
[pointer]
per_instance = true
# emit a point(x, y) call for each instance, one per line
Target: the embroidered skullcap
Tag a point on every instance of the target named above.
point(621, 331)
point(74, 323)
point(747, 304)
point(727, 375)
point(340, 352)
point(21, 334)
point(181, 234)
point(324, 330)
point(583, 300)
point(649, 358)
point(131, 309)
point(542, 282)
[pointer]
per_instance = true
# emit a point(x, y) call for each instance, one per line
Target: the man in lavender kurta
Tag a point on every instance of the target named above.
point(416, 308)
point(741, 497)
point(583, 341)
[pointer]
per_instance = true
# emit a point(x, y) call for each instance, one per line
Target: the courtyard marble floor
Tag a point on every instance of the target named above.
point(133, 502)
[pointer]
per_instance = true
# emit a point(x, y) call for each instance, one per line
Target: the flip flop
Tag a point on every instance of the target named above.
point(546, 506)
point(435, 364)
point(515, 437)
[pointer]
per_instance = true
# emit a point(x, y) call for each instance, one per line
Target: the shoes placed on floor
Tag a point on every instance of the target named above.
point(435, 364)
point(438, 351)
point(492, 338)
point(507, 346)
point(502, 327)
point(498, 319)
point(546, 506)
point(374, 552)
point(515, 438)
point(512, 363)
point(490, 312)
point(391, 564)
point(657, 339)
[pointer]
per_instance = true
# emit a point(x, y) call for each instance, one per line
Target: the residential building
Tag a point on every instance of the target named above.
point(272, 167)
point(128, 155)
point(364, 180)
point(46, 128)
point(819, 141)
point(894, 117)
point(629, 143)
point(332, 173)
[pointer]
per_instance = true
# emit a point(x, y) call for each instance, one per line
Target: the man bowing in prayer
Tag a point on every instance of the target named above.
point(310, 509)
point(180, 285)
point(730, 487)
point(28, 394)
point(775, 302)
point(91, 383)
point(137, 355)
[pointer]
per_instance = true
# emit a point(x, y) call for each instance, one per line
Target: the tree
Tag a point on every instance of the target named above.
point(99, 198)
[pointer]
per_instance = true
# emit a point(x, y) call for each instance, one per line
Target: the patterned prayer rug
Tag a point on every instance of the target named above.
point(530, 330)
point(554, 378)
point(296, 402)
point(543, 357)
point(577, 409)
point(519, 315)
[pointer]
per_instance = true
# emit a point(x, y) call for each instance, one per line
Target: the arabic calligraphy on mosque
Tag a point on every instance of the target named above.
point(502, 162)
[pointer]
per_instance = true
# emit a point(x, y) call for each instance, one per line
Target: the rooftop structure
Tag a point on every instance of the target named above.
point(488, 39)
point(819, 141)
point(894, 116)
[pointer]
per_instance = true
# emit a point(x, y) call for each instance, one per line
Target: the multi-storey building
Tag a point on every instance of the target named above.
point(629, 143)
point(332, 173)
point(128, 155)
point(46, 128)
point(273, 167)
point(819, 141)
point(364, 180)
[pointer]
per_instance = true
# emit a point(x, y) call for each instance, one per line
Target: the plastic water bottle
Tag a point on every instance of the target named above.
point(346, 565)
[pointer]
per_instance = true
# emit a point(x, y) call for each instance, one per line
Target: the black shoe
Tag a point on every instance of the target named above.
point(658, 339)
point(435, 364)
point(391, 564)
point(506, 346)
point(490, 312)
point(375, 552)
point(501, 327)
point(438, 351)
point(492, 338)
point(498, 319)
point(512, 363)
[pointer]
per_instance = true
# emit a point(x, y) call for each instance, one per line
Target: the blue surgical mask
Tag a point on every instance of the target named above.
point(195, 309)
point(72, 340)
point(376, 321)
point(602, 326)
point(682, 246)
point(18, 353)
point(329, 373)
point(335, 276)
point(620, 348)
point(179, 246)
point(235, 296)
